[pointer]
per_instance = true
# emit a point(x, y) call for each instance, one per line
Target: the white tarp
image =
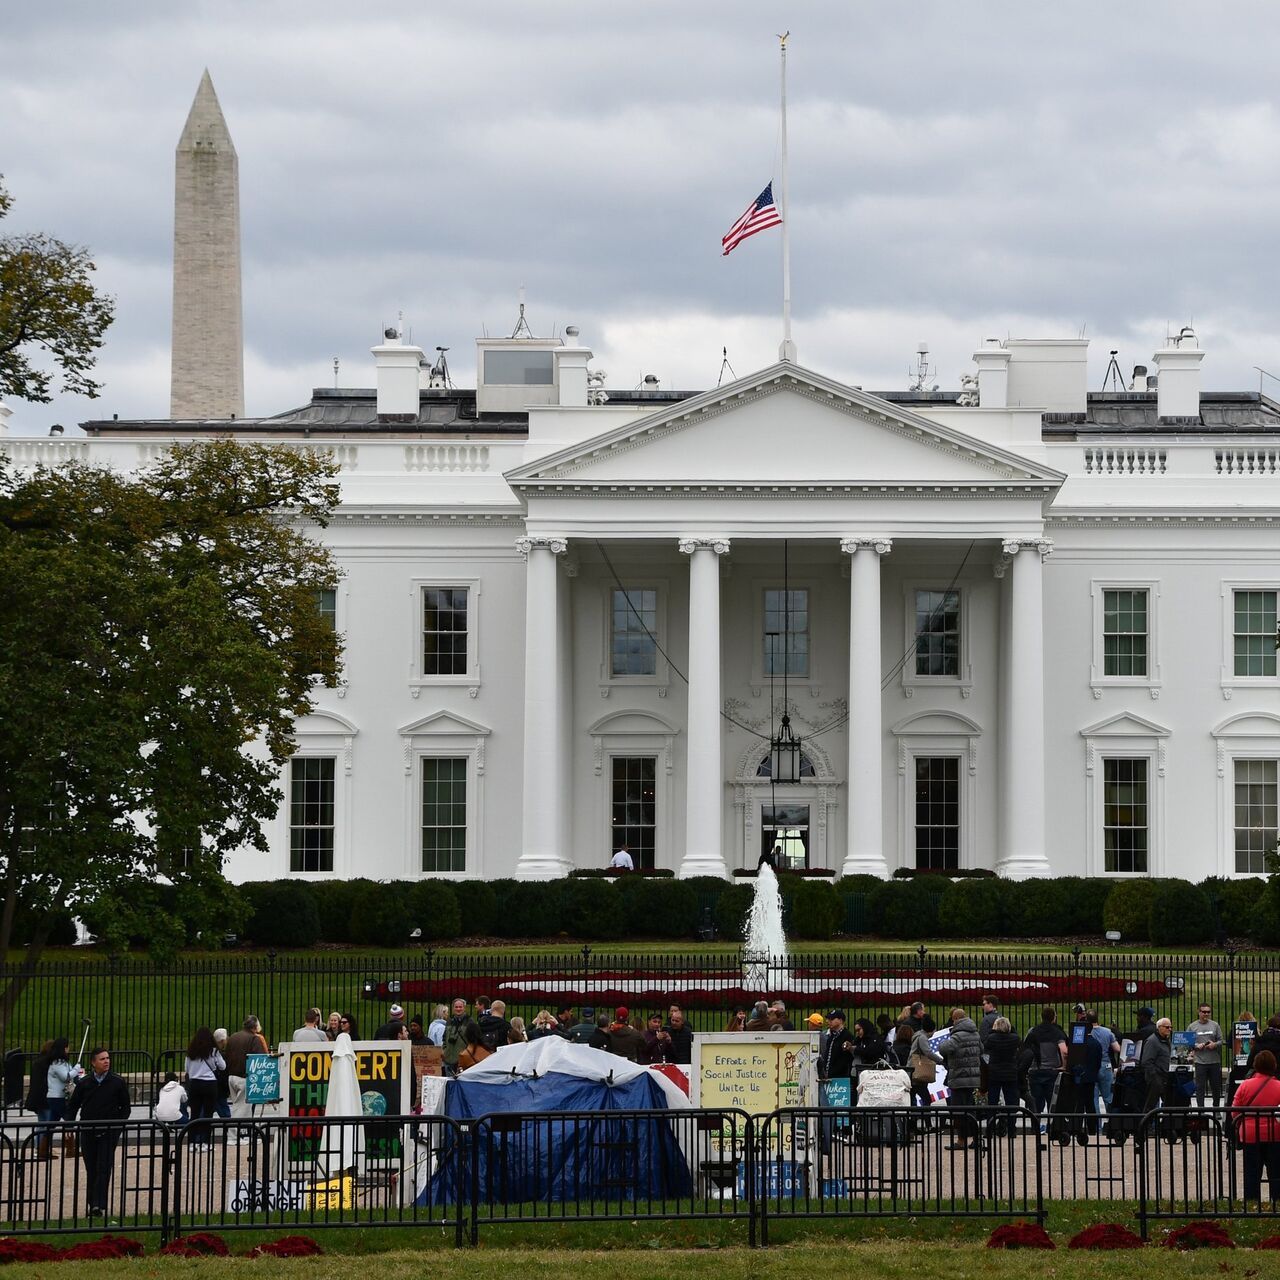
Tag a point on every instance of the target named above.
point(343, 1144)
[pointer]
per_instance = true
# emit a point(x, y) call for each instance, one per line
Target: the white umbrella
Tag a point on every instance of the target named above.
point(344, 1144)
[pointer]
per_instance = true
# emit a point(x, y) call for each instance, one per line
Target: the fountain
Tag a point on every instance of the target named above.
point(765, 952)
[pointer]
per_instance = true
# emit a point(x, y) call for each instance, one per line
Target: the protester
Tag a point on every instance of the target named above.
point(239, 1046)
point(1257, 1129)
point(100, 1096)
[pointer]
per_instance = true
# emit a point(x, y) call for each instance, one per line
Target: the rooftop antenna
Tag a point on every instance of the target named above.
point(724, 364)
point(923, 371)
point(336, 366)
point(522, 329)
point(440, 376)
point(1114, 381)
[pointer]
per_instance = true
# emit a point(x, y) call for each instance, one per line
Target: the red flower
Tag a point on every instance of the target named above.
point(1020, 1235)
point(12, 1250)
point(103, 1249)
point(1105, 1235)
point(288, 1247)
point(1271, 1242)
point(1199, 1235)
point(199, 1244)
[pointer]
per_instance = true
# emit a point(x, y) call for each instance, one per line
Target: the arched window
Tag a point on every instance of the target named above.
point(806, 767)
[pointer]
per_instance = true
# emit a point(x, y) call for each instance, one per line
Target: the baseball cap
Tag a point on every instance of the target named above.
point(1078, 1009)
point(1148, 1010)
point(836, 1013)
point(396, 1011)
point(815, 1021)
point(588, 1013)
point(622, 1013)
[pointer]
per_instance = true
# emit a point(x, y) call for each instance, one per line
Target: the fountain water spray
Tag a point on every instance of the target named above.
point(766, 945)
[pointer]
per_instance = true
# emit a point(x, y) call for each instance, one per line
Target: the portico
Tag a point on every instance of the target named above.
point(689, 508)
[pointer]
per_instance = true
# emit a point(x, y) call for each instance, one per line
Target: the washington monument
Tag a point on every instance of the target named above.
point(208, 342)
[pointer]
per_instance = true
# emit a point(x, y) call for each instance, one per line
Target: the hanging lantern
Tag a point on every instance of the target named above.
point(784, 754)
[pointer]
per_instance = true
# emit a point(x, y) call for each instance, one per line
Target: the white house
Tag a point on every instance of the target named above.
point(1026, 627)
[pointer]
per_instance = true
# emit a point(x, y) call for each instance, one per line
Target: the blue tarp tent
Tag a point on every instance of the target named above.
point(551, 1156)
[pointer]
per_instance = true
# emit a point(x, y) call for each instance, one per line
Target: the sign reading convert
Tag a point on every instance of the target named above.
point(384, 1073)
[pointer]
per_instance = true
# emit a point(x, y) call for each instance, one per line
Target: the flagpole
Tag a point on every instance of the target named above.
point(787, 349)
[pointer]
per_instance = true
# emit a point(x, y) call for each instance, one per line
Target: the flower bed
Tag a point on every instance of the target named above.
point(102, 1250)
point(199, 1244)
point(1270, 1242)
point(1199, 1235)
point(287, 1247)
point(1020, 1235)
point(1105, 1235)
point(12, 1250)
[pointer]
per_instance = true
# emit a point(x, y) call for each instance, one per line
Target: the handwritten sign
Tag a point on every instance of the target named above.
point(262, 1079)
point(757, 1072)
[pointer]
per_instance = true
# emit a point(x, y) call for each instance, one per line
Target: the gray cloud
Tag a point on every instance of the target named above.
point(957, 170)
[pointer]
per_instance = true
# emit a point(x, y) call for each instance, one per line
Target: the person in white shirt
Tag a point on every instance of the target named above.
point(171, 1105)
point(621, 861)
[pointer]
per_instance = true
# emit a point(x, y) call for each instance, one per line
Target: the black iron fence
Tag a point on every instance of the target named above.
point(152, 1008)
point(464, 1177)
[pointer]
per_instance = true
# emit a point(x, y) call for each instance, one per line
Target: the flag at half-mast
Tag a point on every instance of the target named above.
point(761, 214)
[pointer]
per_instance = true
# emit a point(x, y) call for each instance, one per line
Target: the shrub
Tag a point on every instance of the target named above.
point(103, 1249)
point(1128, 909)
point(333, 905)
point(1105, 1235)
point(287, 1247)
point(1082, 900)
point(1264, 919)
point(380, 915)
point(528, 908)
point(12, 1250)
point(1179, 914)
point(816, 909)
point(858, 884)
point(1233, 902)
point(974, 909)
point(433, 908)
point(1020, 1235)
point(657, 908)
point(905, 908)
point(282, 914)
point(1267, 1242)
point(1038, 908)
point(1199, 1235)
point(731, 911)
point(477, 905)
point(590, 909)
point(199, 1244)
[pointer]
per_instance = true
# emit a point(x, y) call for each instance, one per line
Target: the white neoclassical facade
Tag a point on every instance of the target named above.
point(1025, 627)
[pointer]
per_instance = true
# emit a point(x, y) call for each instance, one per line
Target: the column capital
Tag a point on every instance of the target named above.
point(1011, 546)
point(689, 545)
point(557, 546)
point(881, 546)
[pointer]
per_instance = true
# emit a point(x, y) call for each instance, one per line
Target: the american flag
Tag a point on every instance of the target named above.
point(761, 214)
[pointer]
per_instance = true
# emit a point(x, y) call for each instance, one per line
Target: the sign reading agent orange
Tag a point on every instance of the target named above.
point(384, 1072)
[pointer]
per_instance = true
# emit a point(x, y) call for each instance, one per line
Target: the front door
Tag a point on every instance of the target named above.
point(786, 827)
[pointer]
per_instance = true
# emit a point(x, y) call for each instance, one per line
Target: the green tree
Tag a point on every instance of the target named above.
point(159, 633)
point(48, 303)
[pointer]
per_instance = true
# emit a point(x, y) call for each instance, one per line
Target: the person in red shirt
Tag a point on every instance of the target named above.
point(1257, 1125)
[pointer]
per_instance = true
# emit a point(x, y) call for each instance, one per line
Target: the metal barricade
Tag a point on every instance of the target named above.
point(582, 1166)
point(843, 1162)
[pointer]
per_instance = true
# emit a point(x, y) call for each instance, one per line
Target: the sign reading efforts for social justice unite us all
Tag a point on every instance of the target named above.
point(756, 1072)
point(384, 1073)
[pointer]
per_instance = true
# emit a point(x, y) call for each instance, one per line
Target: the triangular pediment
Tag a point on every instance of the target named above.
point(780, 428)
point(1125, 725)
point(442, 722)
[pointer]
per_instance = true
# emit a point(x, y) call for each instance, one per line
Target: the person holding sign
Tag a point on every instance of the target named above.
point(1207, 1056)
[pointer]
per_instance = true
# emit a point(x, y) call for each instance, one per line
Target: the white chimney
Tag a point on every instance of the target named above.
point(397, 368)
point(571, 369)
point(1178, 374)
point(5, 414)
point(1049, 373)
point(992, 362)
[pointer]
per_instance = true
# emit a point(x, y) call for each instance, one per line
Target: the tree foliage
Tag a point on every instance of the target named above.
point(48, 304)
point(159, 633)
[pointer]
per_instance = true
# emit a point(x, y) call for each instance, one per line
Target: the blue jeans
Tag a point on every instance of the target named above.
point(1104, 1087)
point(1041, 1083)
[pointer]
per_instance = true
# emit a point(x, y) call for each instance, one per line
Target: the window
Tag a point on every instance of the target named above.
point(635, 807)
point(1125, 820)
point(765, 769)
point(1255, 633)
point(786, 632)
point(444, 813)
point(937, 811)
point(1255, 814)
point(444, 631)
point(937, 633)
point(634, 649)
point(311, 806)
point(519, 368)
point(327, 604)
point(1124, 632)
point(786, 829)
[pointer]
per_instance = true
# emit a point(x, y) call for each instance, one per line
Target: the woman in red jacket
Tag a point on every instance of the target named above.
point(1256, 1112)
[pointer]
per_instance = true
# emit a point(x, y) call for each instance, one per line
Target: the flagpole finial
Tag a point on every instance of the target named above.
point(782, 39)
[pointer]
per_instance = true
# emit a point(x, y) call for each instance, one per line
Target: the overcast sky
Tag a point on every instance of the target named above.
point(957, 171)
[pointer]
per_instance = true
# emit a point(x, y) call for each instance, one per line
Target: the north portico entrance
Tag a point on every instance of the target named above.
point(708, 490)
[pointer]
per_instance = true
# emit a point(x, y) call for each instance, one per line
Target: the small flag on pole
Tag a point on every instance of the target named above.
point(761, 214)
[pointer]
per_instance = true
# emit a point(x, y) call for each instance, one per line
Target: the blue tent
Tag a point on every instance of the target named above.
point(551, 1156)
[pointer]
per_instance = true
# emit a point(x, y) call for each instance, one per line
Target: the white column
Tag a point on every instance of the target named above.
point(1023, 855)
point(704, 789)
point(864, 846)
point(544, 837)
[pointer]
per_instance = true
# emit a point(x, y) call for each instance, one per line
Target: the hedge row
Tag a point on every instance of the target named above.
point(287, 913)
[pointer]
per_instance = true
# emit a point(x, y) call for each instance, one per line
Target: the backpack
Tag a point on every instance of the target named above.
point(491, 1035)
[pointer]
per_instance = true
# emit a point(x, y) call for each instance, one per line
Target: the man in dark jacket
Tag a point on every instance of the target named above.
point(680, 1037)
point(835, 1061)
point(495, 1030)
point(581, 1032)
point(962, 1051)
point(101, 1096)
point(1157, 1052)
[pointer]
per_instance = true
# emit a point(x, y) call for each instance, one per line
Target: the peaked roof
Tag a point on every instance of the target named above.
point(968, 462)
point(206, 127)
